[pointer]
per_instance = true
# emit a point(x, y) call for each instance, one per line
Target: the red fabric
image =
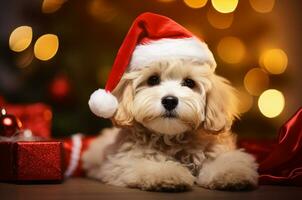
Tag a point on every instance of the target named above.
point(258, 147)
point(146, 27)
point(36, 117)
point(31, 161)
point(280, 160)
point(284, 164)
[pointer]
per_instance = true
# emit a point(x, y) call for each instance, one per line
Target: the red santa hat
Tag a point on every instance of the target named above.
point(151, 38)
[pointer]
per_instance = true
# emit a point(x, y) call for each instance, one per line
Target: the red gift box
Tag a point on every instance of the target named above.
point(31, 161)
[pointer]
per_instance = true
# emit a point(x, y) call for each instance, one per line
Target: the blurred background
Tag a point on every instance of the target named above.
point(59, 51)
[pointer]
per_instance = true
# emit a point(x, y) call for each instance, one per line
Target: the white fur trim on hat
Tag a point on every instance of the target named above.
point(103, 103)
point(171, 48)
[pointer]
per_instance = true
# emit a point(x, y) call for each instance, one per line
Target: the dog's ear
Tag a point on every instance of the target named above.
point(221, 105)
point(125, 94)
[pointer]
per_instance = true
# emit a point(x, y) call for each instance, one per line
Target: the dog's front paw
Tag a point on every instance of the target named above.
point(166, 177)
point(231, 179)
point(231, 171)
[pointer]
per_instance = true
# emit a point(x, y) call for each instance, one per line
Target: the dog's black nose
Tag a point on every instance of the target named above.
point(169, 102)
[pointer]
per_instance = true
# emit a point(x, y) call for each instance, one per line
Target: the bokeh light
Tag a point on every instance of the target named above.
point(50, 6)
point(225, 6)
point(231, 50)
point(246, 101)
point(271, 103)
point(219, 20)
point(262, 6)
point(274, 61)
point(256, 81)
point(195, 3)
point(47, 114)
point(20, 38)
point(196, 30)
point(46, 47)
point(25, 58)
point(166, 1)
point(103, 11)
point(60, 88)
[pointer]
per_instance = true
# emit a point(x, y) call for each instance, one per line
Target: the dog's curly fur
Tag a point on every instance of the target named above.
point(150, 151)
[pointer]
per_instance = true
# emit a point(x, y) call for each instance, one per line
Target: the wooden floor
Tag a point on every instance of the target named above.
point(89, 189)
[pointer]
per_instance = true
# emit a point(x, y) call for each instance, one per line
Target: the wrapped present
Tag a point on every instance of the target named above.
point(25, 157)
point(31, 161)
point(36, 117)
point(73, 150)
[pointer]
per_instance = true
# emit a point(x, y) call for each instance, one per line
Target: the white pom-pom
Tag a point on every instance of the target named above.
point(103, 103)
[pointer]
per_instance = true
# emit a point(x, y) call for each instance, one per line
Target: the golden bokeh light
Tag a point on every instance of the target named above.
point(271, 103)
point(195, 3)
point(196, 30)
point(166, 1)
point(246, 101)
point(25, 58)
point(225, 6)
point(51, 6)
point(231, 50)
point(102, 11)
point(256, 81)
point(274, 61)
point(262, 6)
point(20, 38)
point(46, 47)
point(219, 20)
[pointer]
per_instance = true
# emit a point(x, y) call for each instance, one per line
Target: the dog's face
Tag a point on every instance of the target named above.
point(174, 97)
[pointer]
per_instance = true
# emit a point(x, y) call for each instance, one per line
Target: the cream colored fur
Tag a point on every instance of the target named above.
point(151, 152)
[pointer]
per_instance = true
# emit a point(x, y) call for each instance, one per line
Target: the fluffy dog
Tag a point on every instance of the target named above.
point(172, 130)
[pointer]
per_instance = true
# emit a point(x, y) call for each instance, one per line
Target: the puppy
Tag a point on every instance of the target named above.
point(172, 129)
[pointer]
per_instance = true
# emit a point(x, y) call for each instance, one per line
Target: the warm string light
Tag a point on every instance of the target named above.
point(219, 20)
point(20, 38)
point(101, 10)
point(196, 30)
point(46, 47)
point(256, 81)
point(231, 50)
point(60, 88)
point(262, 6)
point(195, 3)
point(165, 1)
point(246, 101)
point(51, 6)
point(25, 58)
point(271, 103)
point(274, 61)
point(225, 6)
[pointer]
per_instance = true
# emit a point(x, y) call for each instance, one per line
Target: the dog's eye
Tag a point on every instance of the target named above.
point(189, 83)
point(153, 80)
